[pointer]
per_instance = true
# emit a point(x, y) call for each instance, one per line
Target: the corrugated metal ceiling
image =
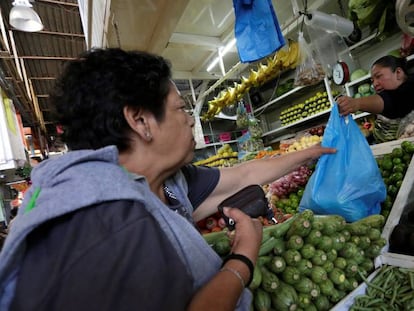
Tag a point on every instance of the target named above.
point(41, 56)
point(187, 32)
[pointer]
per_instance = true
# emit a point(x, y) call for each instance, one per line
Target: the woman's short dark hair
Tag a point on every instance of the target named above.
point(92, 91)
point(392, 62)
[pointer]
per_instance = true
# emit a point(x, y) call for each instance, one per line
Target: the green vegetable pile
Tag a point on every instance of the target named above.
point(377, 15)
point(311, 262)
point(392, 288)
point(393, 167)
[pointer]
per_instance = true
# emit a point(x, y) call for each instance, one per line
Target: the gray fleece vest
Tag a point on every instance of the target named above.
point(57, 180)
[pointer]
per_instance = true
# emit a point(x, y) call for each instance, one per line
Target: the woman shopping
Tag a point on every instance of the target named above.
point(110, 225)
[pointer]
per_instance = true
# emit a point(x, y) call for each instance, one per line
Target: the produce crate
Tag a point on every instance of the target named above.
point(380, 149)
point(404, 198)
point(397, 260)
point(405, 194)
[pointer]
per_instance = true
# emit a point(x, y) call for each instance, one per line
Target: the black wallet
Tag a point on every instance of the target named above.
point(251, 200)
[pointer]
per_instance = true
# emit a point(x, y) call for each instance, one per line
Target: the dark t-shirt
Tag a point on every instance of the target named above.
point(109, 256)
point(398, 103)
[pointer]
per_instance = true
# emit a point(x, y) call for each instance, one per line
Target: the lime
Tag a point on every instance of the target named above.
point(396, 177)
point(408, 146)
point(387, 163)
point(397, 152)
point(392, 190)
point(379, 161)
point(407, 158)
point(398, 183)
point(399, 168)
point(396, 161)
point(387, 204)
point(386, 173)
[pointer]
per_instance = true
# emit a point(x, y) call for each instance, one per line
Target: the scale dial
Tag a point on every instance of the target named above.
point(340, 73)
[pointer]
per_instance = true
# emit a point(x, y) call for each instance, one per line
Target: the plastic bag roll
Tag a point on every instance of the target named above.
point(330, 22)
point(405, 16)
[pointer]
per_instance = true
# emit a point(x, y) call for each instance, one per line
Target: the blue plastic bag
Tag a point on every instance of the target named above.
point(256, 29)
point(347, 183)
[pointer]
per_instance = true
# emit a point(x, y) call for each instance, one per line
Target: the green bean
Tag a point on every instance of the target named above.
point(370, 284)
point(411, 276)
point(394, 295)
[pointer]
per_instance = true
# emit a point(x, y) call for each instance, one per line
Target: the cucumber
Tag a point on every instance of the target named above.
point(357, 228)
point(294, 242)
point(302, 225)
point(305, 267)
point(222, 246)
point(325, 243)
point(322, 303)
point(327, 287)
point(277, 264)
point(374, 234)
point(331, 255)
point(338, 241)
point(264, 260)
point(367, 265)
point(267, 246)
point(310, 307)
point(257, 278)
point(212, 237)
point(340, 263)
point(313, 237)
point(349, 250)
point(305, 285)
point(351, 268)
point(331, 223)
point(279, 247)
point(337, 276)
point(373, 251)
point(270, 282)
point(285, 299)
point(292, 257)
point(307, 251)
point(318, 275)
point(373, 221)
point(279, 230)
point(261, 300)
point(328, 266)
point(291, 275)
point(305, 300)
point(319, 258)
point(364, 242)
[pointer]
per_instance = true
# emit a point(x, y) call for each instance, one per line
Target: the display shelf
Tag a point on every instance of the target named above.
point(279, 98)
point(359, 80)
point(282, 128)
point(219, 143)
point(360, 115)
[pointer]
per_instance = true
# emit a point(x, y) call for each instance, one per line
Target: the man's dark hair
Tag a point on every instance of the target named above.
point(92, 91)
point(392, 62)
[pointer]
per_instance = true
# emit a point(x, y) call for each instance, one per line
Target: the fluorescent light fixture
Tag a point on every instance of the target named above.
point(23, 17)
point(222, 51)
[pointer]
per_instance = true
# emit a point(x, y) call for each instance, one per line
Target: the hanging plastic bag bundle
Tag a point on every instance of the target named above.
point(347, 183)
point(309, 71)
point(256, 29)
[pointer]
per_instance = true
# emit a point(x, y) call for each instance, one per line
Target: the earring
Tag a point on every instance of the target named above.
point(148, 135)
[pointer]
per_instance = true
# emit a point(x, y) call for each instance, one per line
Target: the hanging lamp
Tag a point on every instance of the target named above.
point(23, 17)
